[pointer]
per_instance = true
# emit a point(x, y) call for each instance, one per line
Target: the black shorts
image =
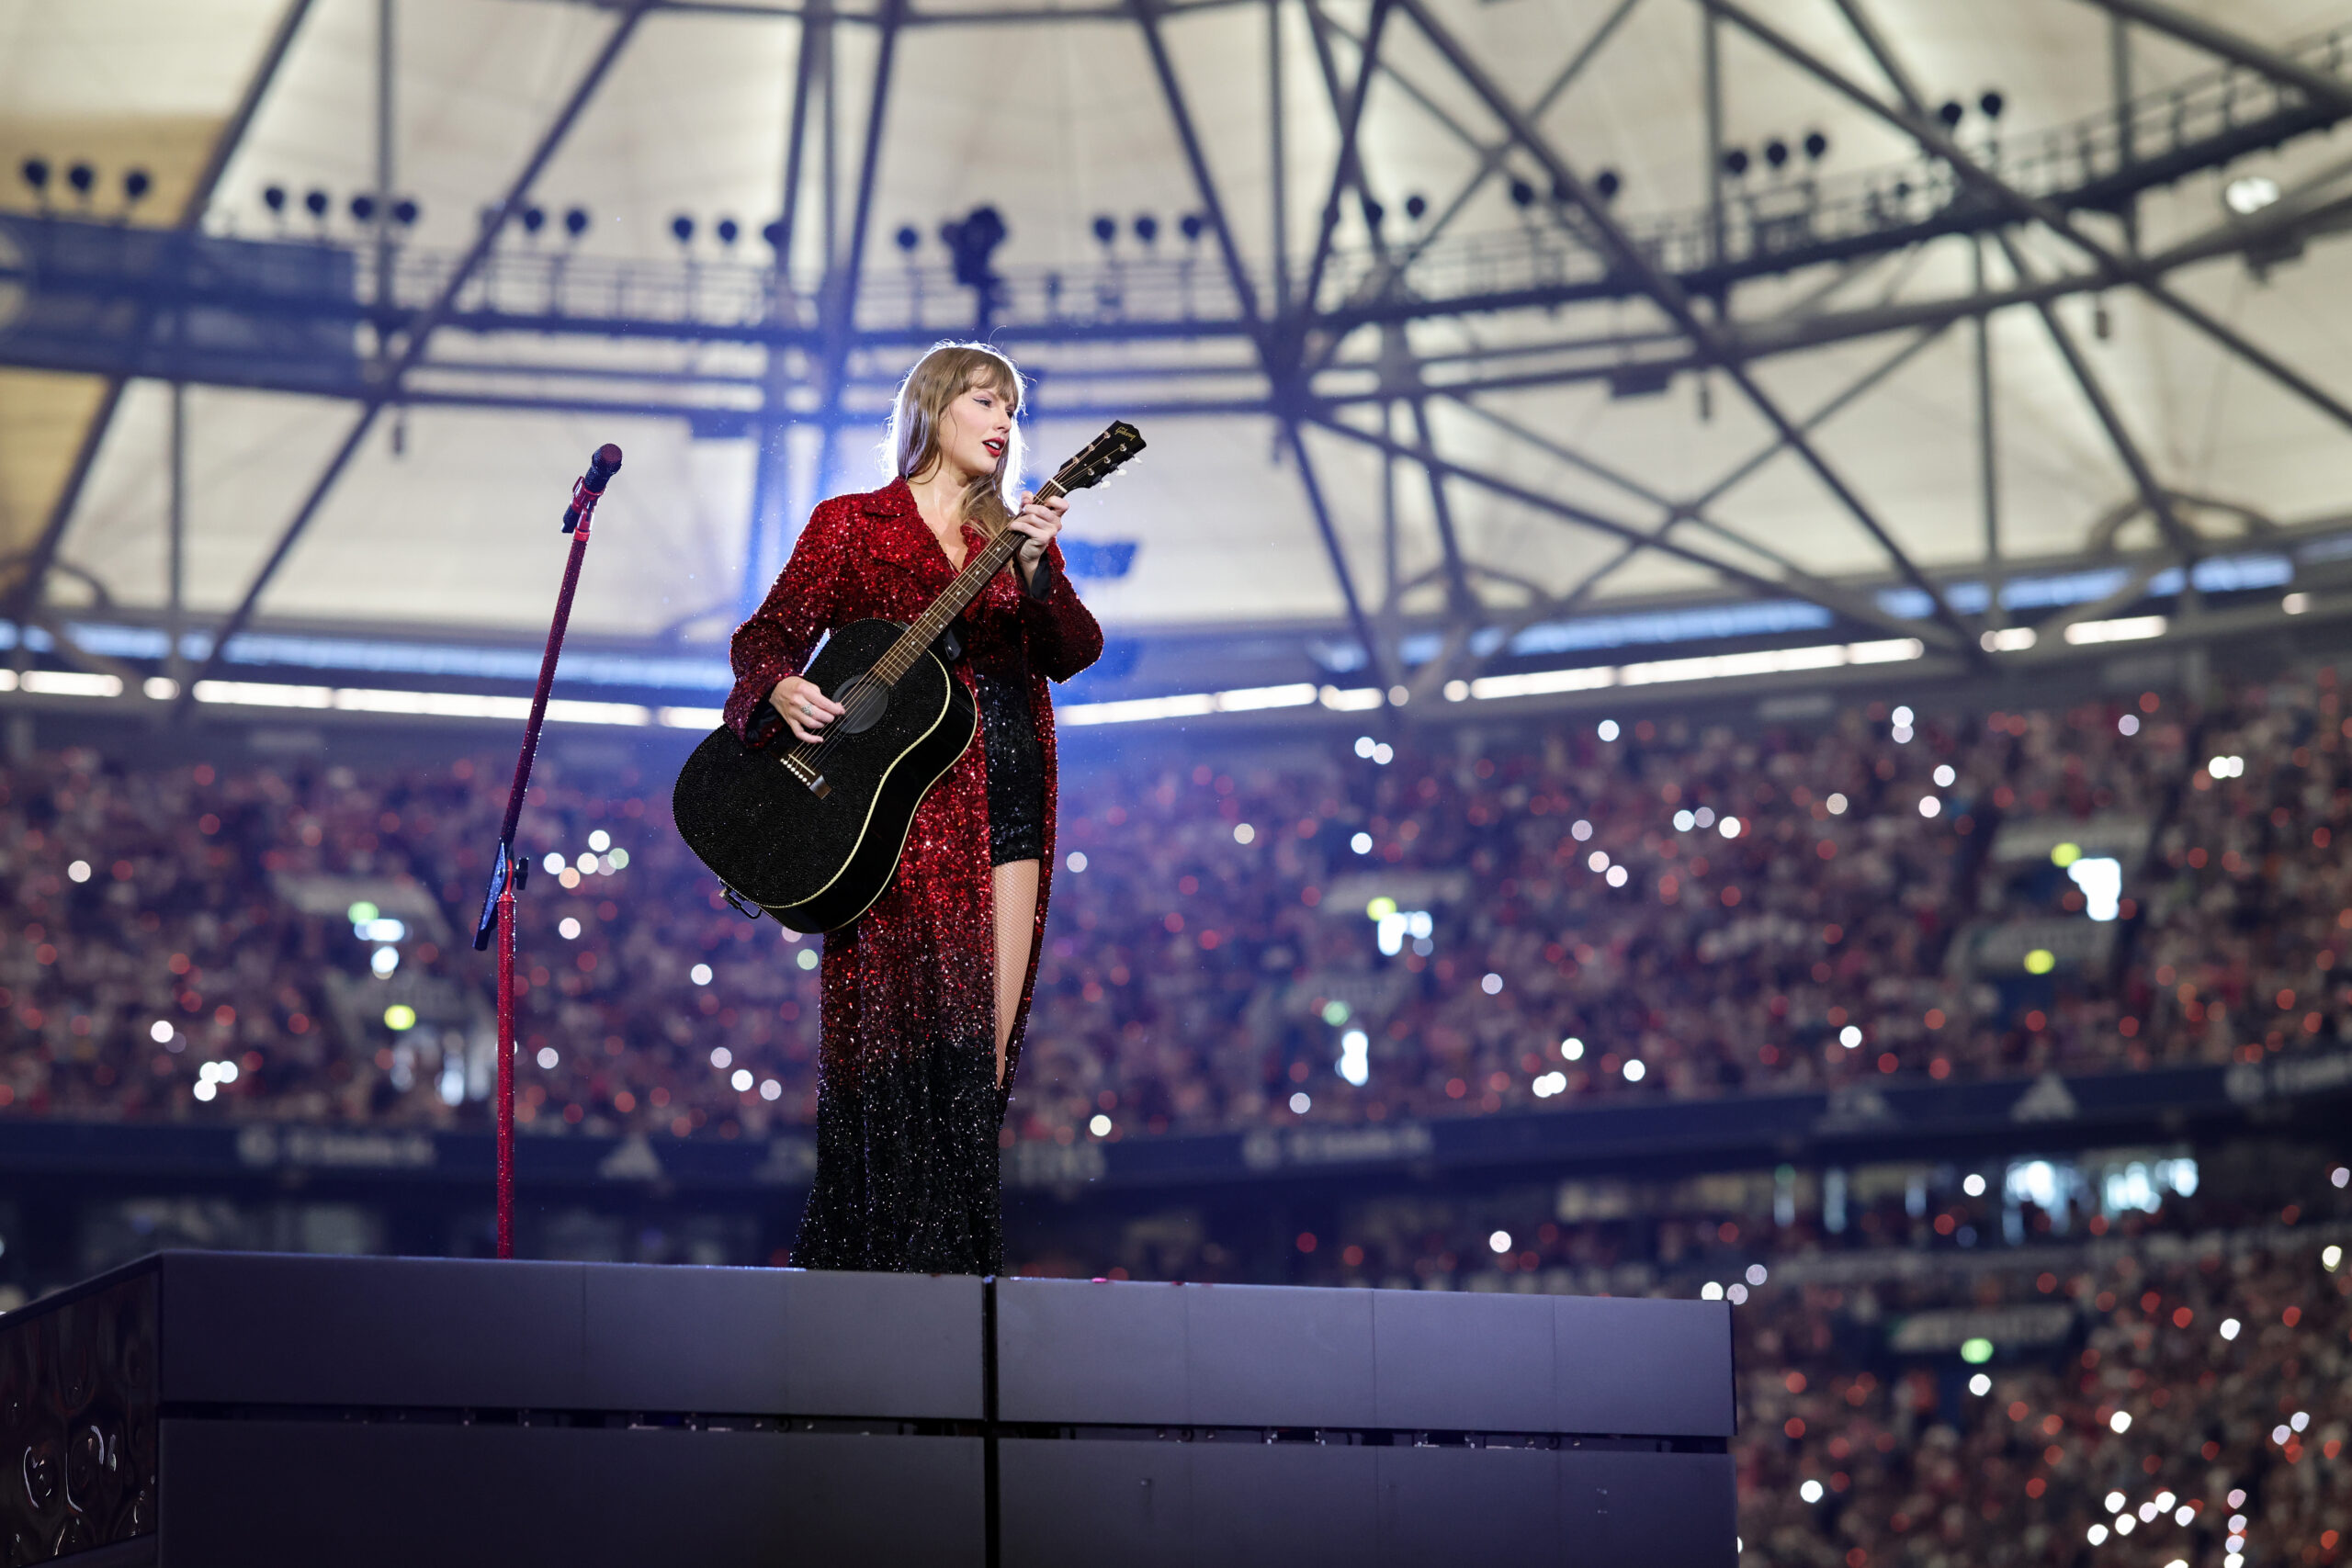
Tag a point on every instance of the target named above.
point(1016, 770)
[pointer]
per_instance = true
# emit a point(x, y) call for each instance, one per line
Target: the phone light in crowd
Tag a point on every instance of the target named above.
point(1377, 752)
point(383, 961)
point(1355, 1058)
point(1836, 804)
point(2227, 767)
point(2102, 879)
point(740, 1080)
point(1499, 1243)
point(2120, 1423)
point(1547, 1085)
point(721, 1057)
point(1360, 843)
point(1973, 1184)
point(1713, 1290)
point(1076, 861)
point(377, 928)
point(78, 872)
point(2230, 1326)
point(1728, 827)
point(212, 1076)
point(554, 865)
point(1811, 1492)
point(1849, 1037)
point(1945, 777)
point(599, 841)
point(1758, 1273)
point(1301, 1103)
point(567, 929)
point(1607, 729)
point(1634, 1071)
point(1243, 832)
point(160, 1032)
point(2330, 1256)
point(1980, 1385)
point(1979, 1351)
point(400, 1018)
point(699, 974)
point(2339, 1176)
point(548, 1058)
point(1572, 1049)
point(1099, 1124)
point(2040, 961)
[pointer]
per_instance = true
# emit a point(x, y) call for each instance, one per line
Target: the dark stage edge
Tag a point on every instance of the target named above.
point(200, 1409)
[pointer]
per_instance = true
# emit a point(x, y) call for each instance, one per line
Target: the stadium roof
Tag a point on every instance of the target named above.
point(1578, 371)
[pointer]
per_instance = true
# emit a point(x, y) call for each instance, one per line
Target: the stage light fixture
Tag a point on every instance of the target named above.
point(1776, 153)
point(363, 209)
point(1372, 214)
point(1816, 146)
point(2249, 194)
point(575, 223)
point(773, 232)
point(1951, 114)
point(1992, 104)
point(35, 172)
point(136, 184)
point(1736, 162)
point(1608, 183)
point(1417, 207)
point(404, 212)
point(1193, 226)
point(1106, 229)
point(535, 218)
point(728, 230)
point(907, 238)
point(1147, 228)
point(82, 178)
point(316, 205)
point(1522, 194)
point(683, 227)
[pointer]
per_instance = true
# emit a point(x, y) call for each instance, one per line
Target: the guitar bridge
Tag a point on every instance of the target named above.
point(807, 775)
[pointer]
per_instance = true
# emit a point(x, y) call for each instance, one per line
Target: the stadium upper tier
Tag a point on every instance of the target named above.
point(1295, 933)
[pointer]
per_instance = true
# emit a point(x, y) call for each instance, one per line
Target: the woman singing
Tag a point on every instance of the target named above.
point(926, 994)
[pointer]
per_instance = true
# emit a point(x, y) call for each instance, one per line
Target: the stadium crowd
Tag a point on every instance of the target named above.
point(1573, 911)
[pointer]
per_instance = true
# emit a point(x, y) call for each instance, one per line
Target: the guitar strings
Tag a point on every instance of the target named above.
point(814, 756)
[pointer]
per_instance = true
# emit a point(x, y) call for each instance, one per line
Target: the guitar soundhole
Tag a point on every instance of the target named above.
point(863, 702)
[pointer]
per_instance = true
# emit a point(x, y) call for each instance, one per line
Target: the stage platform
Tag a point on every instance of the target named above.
point(256, 1410)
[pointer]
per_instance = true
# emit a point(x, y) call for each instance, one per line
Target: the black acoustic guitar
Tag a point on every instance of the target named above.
point(811, 832)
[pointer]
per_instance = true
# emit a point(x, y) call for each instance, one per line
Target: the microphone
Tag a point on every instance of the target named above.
point(591, 485)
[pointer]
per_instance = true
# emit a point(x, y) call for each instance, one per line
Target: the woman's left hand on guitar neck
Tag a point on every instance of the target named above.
point(1039, 519)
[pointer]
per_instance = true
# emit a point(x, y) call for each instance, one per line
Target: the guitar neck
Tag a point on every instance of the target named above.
point(984, 565)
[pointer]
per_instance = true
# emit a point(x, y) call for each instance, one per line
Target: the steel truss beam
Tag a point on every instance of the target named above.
point(2215, 38)
point(27, 589)
point(1694, 513)
point(1669, 297)
point(1569, 511)
point(2127, 450)
point(1285, 399)
point(2116, 266)
point(419, 335)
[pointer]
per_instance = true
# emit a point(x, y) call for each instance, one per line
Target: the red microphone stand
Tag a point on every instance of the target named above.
point(507, 872)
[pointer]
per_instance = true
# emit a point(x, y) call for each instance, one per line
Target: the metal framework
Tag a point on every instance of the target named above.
point(1328, 345)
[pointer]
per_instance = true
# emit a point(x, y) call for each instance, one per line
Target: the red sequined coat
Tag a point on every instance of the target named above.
point(908, 1105)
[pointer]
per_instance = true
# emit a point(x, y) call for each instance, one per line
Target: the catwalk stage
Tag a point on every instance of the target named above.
point(258, 1410)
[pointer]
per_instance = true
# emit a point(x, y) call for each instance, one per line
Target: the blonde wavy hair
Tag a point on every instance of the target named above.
point(939, 378)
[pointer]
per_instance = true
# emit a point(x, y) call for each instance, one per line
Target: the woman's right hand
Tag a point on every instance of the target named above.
point(806, 708)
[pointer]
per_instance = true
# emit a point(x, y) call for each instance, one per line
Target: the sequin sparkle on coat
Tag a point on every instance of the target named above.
point(908, 1109)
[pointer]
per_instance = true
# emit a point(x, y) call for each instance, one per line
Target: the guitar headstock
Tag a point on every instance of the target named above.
point(1101, 460)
